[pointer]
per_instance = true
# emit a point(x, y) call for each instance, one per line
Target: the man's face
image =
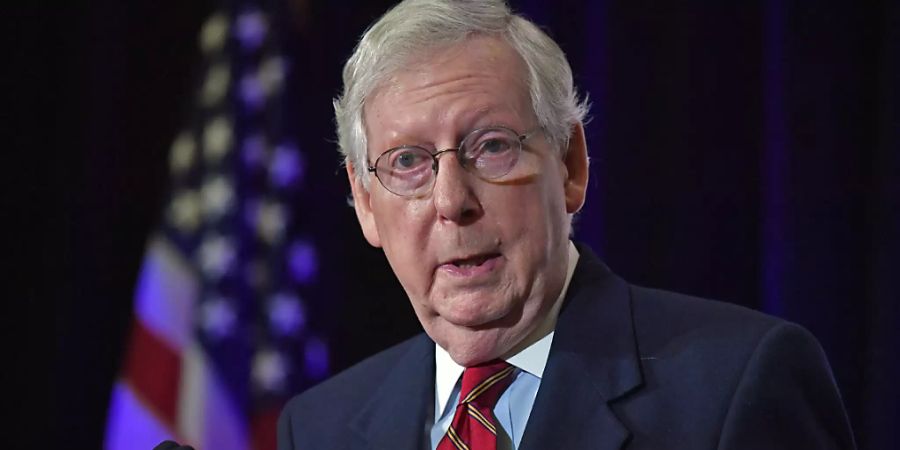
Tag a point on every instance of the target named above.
point(481, 261)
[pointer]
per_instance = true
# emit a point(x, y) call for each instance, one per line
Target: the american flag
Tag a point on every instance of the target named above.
point(220, 338)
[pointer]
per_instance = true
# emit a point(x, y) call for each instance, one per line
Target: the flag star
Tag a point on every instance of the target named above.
point(302, 261)
point(271, 74)
point(218, 318)
point(216, 256)
point(286, 314)
point(252, 28)
point(286, 166)
point(215, 86)
point(184, 211)
point(269, 370)
point(214, 32)
point(183, 153)
point(252, 91)
point(218, 197)
point(217, 139)
point(271, 221)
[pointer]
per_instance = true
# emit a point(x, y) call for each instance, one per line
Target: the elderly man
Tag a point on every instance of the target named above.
point(466, 156)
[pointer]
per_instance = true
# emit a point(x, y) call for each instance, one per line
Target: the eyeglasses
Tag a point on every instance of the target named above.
point(489, 153)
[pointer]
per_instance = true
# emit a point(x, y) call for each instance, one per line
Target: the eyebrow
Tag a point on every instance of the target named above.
point(475, 120)
point(457, 141)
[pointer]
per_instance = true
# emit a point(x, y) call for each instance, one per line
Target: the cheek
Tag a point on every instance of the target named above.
point(403, 228)
point(400, 222)
point(535, 213)
point(539, 229)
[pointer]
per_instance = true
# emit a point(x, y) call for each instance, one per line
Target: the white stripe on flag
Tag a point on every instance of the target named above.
point(166, 293)
point(207, 415)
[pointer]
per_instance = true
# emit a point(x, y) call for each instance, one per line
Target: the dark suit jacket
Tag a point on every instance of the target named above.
point(629, 367)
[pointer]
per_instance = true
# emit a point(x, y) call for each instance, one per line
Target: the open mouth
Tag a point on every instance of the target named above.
point(472, 265)
point(473, 261)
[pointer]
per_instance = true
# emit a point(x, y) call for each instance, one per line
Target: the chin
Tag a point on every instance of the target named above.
point(476, 311)
point(467, 357)
point(468, 346)
point(473, 322)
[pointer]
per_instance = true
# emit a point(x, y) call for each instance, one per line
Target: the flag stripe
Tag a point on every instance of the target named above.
point(192, 401)
point(132, 425)
point(153, 370)
point(166, 292)
point(264, 428)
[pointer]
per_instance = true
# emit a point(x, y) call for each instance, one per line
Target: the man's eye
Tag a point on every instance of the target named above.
point(494, 146)
point(407, 159)
point(491, 146)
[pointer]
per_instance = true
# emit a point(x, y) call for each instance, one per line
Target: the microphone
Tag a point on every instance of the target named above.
point(172, 445)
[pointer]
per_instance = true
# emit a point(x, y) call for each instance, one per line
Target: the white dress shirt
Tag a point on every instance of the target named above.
point(514, 406)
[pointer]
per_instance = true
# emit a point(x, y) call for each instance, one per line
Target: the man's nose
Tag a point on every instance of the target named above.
point(454, 199)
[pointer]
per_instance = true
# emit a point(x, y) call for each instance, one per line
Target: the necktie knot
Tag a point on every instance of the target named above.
point(474, 426)
point(482, 385)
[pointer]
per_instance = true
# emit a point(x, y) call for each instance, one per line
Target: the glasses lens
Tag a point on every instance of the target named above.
point(405, 170)
point(492, 152)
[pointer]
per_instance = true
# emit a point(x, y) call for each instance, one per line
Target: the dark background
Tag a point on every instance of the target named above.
point(744, 151)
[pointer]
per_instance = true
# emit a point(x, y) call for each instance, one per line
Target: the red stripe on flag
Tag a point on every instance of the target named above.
point(264, 428)
point(153, 370)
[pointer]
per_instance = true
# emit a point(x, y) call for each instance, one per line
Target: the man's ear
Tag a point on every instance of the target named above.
point(362, 203)
point(576, 163)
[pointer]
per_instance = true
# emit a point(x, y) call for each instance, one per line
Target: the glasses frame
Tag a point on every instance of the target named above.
point(435, 166)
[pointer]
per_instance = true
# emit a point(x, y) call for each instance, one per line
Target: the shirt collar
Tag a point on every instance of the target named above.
point(532, 358)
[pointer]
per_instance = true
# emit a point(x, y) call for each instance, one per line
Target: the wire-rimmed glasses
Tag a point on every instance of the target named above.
point(489, 153)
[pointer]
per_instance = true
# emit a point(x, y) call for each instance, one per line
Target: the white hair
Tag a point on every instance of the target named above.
point(414, 26)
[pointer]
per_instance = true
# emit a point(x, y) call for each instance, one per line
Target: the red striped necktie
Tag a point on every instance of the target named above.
point(474, 426)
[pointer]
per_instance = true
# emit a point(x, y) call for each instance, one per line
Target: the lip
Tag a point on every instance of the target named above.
point(487, 264)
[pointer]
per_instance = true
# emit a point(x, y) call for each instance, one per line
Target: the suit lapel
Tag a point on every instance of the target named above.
point(593, 361)
point(395, 416)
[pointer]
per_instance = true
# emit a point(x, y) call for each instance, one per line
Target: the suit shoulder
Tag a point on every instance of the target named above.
point(318, 417)
point(666, 315)
point(787, 385)
point(725, 372)
point(351, 387)
point(663, 312)
point(692, 332)
point(696, 331)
